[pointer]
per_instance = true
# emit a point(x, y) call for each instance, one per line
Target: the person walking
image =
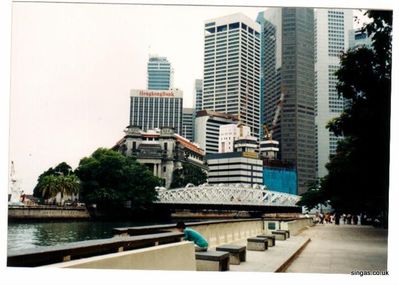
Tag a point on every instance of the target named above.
point(337, 217)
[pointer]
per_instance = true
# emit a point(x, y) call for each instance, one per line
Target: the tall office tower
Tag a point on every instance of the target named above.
point(332, 31)
point(198, 95)
point(159, 73)
point(288, 70)
point(232, 68)
point(150, 109)
point(188, 123)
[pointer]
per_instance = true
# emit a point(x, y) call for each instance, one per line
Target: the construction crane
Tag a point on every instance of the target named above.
point(269, 133)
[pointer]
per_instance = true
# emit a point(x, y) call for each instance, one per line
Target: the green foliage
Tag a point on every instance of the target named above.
point(50, 185)
point(110, 178)
point(188, 174)
point(313, 197)
point(54, 180)
point(358, 174)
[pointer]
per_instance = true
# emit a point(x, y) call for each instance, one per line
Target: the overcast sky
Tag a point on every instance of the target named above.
point(73, 65)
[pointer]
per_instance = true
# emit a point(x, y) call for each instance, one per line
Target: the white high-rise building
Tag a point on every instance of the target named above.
point(231, 81)
point(206, 129)
point(228, 134)
point(332, 28)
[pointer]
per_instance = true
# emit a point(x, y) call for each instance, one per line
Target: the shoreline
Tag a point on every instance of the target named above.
point(47, 212)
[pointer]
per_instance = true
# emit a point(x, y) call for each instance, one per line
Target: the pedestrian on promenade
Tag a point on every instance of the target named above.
point(191, 235)
point(337, 217)
point(349, 219)
point(355, 219)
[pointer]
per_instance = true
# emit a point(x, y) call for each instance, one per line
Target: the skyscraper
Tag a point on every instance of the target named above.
point(159, 73)
point(232, 68)
point(150, 109)
point(332, 37)
point(198, 95)
point(288, 69)
point(188, 123)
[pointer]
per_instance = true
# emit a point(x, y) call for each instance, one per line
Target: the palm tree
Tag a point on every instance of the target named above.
point(49, 186)
point(70, 185)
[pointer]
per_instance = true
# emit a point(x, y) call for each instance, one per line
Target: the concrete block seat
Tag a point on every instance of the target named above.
point(280, 234)
point(257, 244)
point(237, 253)
point(271, 239)
point(287, 232)
point(212, 261)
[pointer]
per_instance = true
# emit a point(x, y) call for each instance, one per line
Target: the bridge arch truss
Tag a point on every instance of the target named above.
point(226, 194)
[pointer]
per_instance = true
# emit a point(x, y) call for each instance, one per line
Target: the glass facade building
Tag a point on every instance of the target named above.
point(156, 109)
point(231, 81)
point(198, 95)
point(288, 67)
point(159, 73)
point(188, 123)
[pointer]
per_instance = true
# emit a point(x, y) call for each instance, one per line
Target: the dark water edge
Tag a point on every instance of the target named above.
point(33, 234)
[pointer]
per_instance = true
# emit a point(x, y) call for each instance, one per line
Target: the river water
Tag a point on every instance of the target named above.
point(37, 234)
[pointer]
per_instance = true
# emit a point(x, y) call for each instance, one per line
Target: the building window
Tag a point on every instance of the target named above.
point(165, 146)
point(164, 169)
point(222, 28)
point(134, 145)
point(234, 26)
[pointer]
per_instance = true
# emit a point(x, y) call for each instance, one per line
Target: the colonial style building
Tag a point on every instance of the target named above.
point(161, 150)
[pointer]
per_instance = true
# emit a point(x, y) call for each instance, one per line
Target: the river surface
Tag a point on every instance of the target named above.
point(37, 234)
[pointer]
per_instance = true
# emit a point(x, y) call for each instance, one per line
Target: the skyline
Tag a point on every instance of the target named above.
point(104, 277)
point(93, 112)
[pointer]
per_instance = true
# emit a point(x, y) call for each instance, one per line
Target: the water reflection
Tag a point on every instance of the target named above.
point(31, 235)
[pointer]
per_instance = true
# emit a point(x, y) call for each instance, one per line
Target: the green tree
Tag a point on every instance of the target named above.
point(188, 174)
point(358, 174)
point(50, 185)
point(109, 178)
point(314, 196)
point(61, 169)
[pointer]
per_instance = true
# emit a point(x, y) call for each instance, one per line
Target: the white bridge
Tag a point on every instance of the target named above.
point(226, 194)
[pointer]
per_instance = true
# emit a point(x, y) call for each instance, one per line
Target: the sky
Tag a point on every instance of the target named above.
point(73, 65)
point(66, 73)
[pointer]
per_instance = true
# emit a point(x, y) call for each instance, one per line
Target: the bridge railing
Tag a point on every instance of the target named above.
point(226, 194)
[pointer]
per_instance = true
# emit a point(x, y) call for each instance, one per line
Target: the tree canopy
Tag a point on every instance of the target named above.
point(358, 174)
point(188, 174)
point(59, 179)
point(109, 178)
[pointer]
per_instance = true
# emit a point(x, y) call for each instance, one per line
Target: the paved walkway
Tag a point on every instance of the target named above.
point(272, 259)
point(342, 249)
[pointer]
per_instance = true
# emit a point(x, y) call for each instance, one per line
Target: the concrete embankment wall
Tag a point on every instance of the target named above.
point(294, 226)
point(21, 213)
point(181, 255)
point(175, 256)
point(222, 233)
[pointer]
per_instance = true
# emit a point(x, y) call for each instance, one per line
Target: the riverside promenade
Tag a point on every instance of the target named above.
point(342, 249)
